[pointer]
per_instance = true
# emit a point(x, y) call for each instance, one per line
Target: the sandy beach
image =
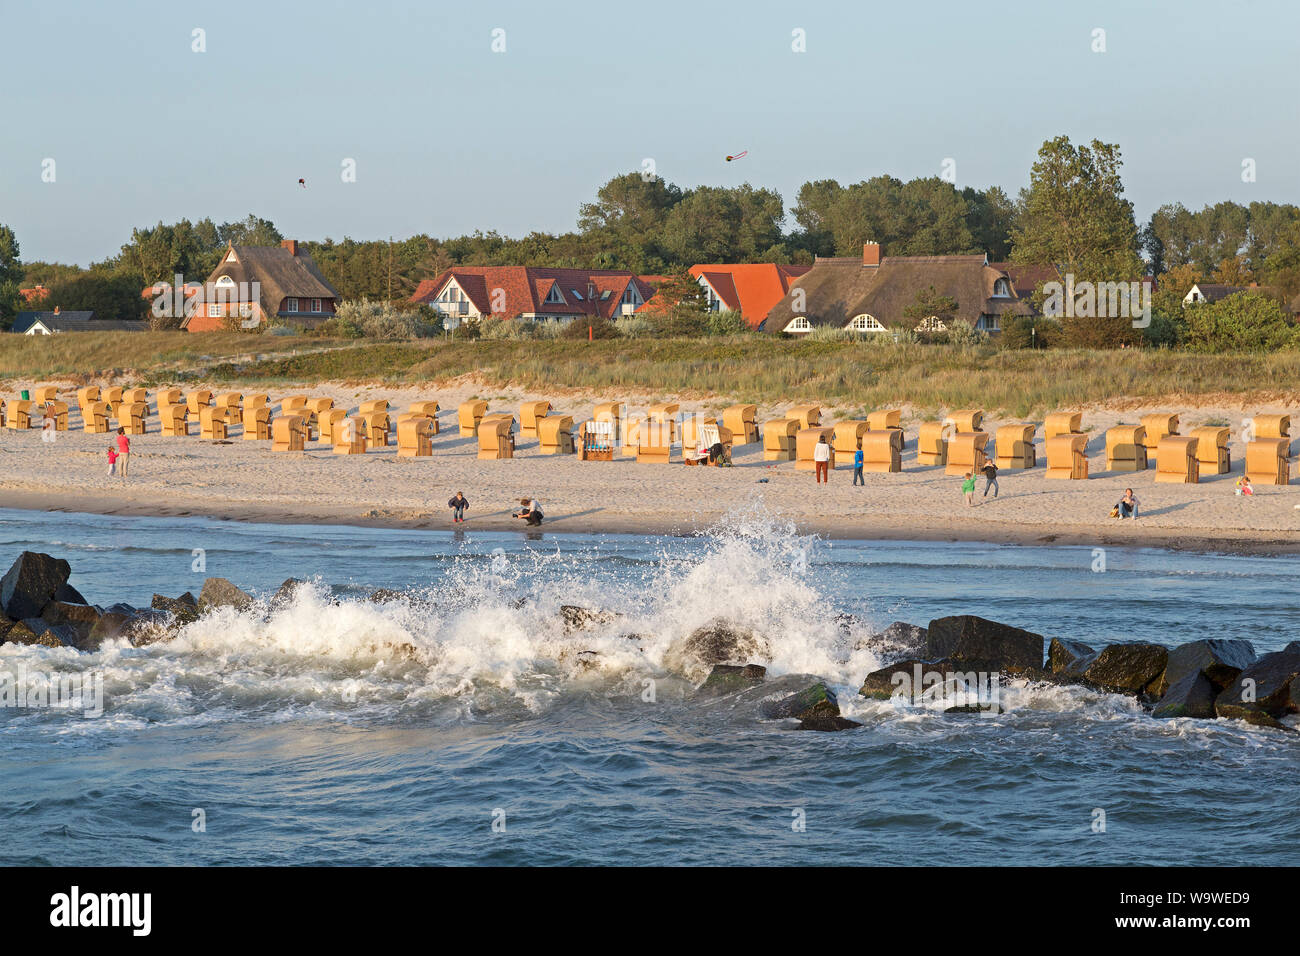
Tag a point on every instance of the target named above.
point(243, 480)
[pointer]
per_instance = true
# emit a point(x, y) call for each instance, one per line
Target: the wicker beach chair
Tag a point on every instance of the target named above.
point(1126, 448)
point(780, 439)
point(1176, 460)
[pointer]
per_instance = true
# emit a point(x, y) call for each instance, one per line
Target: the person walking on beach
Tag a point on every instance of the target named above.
point(458, 504)
point(530, 511)
point(968, 489)
point(112, 461)
point(990, 471)
point(1128, 505)
point(123, 449)
point(857, 468)
point(822, 461)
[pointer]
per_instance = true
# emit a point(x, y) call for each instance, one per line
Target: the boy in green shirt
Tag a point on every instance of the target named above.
point(968, 489)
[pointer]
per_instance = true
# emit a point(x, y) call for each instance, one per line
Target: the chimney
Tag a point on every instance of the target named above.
point(56, 310)
point(291, 245)
point(870, 255)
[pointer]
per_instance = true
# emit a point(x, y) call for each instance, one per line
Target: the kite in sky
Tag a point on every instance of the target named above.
point(302, 183)
point(740, 155)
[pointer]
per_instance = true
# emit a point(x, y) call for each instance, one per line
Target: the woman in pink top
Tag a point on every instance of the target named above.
point(123, 451)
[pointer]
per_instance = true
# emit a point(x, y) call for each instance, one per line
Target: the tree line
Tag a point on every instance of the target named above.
point(1072, 214)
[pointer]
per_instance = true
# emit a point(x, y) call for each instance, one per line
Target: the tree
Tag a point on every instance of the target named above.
point(627, 219)
point(108, 296)
point(989, 217)
point(11, 277)
point(1233, 271)
point(1029, 332)
point(1074, 214)
point(929, 303)
point(716, 224)
point(679, 307)
point(1245, 322)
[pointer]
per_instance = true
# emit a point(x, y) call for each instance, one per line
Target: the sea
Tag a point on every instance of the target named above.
point(419, 700)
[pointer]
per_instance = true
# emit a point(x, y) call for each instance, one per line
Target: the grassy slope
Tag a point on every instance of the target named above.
point(754, 369)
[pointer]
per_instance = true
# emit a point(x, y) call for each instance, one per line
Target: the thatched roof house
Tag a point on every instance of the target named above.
point(872, 294)
point(259, 283)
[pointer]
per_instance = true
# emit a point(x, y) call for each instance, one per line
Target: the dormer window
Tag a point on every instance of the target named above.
point(225, 282)
point(1002, 289)
point(631, 296)
point(555, 296)
point(866, 323)
point(799, 323)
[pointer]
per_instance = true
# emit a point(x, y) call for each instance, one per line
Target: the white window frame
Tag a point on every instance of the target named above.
point(555, 296)
point(1004, 286)
point(866, 323)
point(291, 304)
point(315, 305)
point(799, 323)
point(932, 323)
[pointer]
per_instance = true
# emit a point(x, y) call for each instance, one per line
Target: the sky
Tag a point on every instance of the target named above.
point(449, 135)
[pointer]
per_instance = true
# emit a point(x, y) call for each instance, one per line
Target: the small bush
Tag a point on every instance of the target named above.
point(634, 327)
point(600, 328)
point(963, 335)
point(726, 322)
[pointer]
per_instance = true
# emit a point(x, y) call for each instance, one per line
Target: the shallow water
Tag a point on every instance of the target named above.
point(332, 728)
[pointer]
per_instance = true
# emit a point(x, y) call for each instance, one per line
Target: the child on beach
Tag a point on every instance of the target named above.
point(1244, 487)
point(857, 468)
point(531, 511)
point(112, 460)
point(458, 505)
point(968, 489)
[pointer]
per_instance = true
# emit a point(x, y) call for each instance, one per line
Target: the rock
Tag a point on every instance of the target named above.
point(881, 684)
point(827, 724)
point(20, 632)
point(59, 635)
point(287, 590)
point(729, 678)
point(967, 637)
point(31, 583)
point(120, 608)
point(384, 595)
point(1062, 655)
point(899, 639)
point(581, 618)
point(1265, 689)
point(109, 626)
point(218, 592)
point(815, 701)
point(148, 627)
point(716, 643)
point(1191, 696)
point(1127, 668)
point(65, 612)
point(66, 592)
point(183, 610)
point(1220, 660)
point(972, 709)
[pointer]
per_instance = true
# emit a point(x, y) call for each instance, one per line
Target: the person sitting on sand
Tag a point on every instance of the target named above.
point(531, 511)
point(968, 489)
point(458, 504)
point(1244, 487)
point(1128, 505)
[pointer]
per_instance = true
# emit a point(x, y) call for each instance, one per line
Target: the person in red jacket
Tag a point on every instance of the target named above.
point(123, 451)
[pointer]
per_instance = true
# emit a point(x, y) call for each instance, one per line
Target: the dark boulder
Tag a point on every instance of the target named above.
point(287, 590)
point(729, 678)
point(899, 639)
point(581, 618)
point(219, 592)
point(109, 626)
point(972, 709)
point(815, 701)
point(20, 632)
point(1265, 689)
point(1191, 696)
point(385, 596)
point(1063, 655)
point(149, 627)
point(967, 637)
point(120, 608)
point(827, 724)
point(31, 583)
point(889, 681)
point(183, 610)
point(718, 642)
point(64, 612)
point(1127, 668)
point(1219, 659)
point(60, 635)
point(66, 592)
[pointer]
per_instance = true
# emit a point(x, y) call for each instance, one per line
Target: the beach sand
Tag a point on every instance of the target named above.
point(245, 480)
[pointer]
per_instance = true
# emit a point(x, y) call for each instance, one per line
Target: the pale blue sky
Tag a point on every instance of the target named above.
point(449, 136)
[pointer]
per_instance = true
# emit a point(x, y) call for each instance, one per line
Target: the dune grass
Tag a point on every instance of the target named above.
point(746, 368)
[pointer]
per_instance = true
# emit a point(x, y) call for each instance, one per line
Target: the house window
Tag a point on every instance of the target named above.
point(315, 305)
point(631, 296)
point(989, 323)
point(555, 296)
point(215, 309)
point(799, 323)
point(291, 305)
point(1002, 289)
point(866, 323)
point(225, 282)
point(932, 324)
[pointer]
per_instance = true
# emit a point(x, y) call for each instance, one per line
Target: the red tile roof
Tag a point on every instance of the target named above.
point(512, 291)
point(751, 288)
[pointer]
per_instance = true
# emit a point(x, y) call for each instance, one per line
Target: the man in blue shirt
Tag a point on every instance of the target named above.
point(857, 468)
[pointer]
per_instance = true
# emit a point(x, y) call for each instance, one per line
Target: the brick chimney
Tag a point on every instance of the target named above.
point(870, 255)
point(291, 245)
